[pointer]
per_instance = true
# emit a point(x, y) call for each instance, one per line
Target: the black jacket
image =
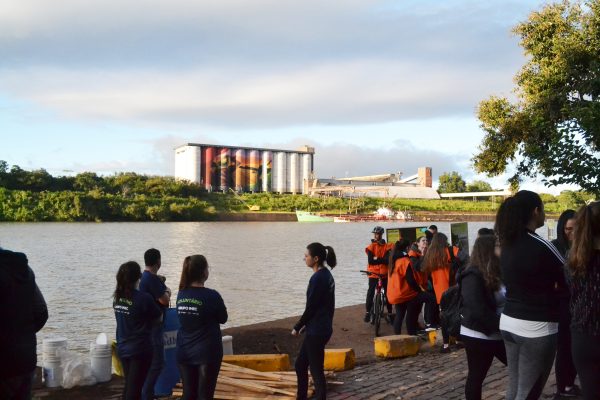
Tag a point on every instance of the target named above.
point(532, 271)
point(478, 307)
point(23, 312)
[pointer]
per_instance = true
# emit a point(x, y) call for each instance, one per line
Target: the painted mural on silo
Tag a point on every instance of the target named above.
point(253, 166)
point(208, 158)
point(266, 172)
point(240, 170)
point(224, 169)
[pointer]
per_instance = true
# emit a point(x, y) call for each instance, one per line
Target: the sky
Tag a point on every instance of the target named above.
point(375, 86)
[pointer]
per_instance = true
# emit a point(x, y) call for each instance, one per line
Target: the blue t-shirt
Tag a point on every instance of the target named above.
point(135, 318)
point(200, 312)
point(152, 284)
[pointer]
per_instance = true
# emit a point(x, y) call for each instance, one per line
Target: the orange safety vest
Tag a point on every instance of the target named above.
point(398, 289)
point(379, 250)
point(441, 278)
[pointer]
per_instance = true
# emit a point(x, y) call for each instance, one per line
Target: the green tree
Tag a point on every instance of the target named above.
point(479, 186)
point(452, 182)
point(553, 128)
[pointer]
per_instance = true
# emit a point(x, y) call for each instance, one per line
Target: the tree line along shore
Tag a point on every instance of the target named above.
point(35, 196)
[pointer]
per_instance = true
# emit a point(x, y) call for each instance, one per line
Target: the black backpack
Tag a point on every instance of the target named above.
point(450, 314)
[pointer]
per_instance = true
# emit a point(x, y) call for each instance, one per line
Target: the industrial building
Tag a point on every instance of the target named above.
point(245, 169)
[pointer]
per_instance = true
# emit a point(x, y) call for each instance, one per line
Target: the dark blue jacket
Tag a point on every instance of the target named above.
point(320, 305)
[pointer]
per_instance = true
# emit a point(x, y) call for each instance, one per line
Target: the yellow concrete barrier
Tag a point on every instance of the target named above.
point(339, 359)
point(397, 346)
point(260, 362)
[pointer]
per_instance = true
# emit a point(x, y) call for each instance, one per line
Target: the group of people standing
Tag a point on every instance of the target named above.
point(526, 301)
point(139, 303)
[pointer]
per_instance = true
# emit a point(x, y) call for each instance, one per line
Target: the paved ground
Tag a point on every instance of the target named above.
point(428, 376)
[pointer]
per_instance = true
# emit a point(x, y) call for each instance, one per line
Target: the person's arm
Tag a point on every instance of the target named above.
point(313, 302)
point(221, 310)
point(165, 298)
point(40, 309)
point(410, 279)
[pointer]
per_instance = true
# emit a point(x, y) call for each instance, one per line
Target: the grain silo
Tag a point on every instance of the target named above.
point(208, 155)
point(267, 164)
point(280, 185)
point(253, 166)
point(240, 170)
point(306, 171)
point(224, 168)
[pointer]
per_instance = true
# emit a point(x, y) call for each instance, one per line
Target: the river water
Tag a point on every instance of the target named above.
point(258, 267)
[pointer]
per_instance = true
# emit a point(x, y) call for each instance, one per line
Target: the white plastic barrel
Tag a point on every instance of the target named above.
point(52, 349)
point(227, 345)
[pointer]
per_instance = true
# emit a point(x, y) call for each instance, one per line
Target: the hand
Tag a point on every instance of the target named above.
point(294, 332)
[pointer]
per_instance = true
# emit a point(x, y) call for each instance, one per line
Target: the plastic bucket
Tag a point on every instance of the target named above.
point(169, 376)
point(227, 345)
point(52, 350)
point(101, 355)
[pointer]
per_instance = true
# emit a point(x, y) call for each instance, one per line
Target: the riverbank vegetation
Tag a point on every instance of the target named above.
point(39, 196)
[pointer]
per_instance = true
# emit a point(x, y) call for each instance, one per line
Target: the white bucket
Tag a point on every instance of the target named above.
point(227, 345)
point(52, 350)
point(101, 354)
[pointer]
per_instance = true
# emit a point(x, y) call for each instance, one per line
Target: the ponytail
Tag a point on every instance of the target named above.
point(326, 254)
point(398, 251)
point(127, 276)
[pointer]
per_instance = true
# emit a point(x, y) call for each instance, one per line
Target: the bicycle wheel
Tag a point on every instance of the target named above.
point(377, 311)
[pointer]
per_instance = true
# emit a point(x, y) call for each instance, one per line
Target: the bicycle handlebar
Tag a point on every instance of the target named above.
point(373, 273)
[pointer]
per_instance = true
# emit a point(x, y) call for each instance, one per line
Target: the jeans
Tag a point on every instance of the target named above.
point(136, 369)
point(16, 387)
point(157, 364)
point(199, 381)
point(529, 363)
point(480, 354)
point(312, 355)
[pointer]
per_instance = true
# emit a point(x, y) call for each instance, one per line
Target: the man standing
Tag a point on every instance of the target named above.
point(23, 312)
point(377, 258)
point(153, 284)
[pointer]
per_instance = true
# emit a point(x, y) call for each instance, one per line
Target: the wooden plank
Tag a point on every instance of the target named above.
point(255, 387)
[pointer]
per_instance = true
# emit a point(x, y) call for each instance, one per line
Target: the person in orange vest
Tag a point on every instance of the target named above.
point(378, 258)
point(437, 264)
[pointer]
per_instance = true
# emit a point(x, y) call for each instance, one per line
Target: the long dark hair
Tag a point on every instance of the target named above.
point(587, 229)
point(484, 259)
point(127, 277)
point(195, 269)
point(400, 249)
point(514, 214)
point(324, 253)
point(437, 254)
point(560, 228)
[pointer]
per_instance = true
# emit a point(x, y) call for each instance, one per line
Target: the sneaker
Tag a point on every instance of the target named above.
point(445, 350)
point(573, 391)
point(367, 317)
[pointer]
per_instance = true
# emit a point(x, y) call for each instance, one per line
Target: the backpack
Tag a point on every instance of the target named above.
point(450, 314)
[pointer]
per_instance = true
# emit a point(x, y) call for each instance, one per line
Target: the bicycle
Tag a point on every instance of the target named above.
point(379, 301)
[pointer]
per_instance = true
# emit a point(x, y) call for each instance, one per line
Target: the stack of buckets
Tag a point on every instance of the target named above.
point(101, 355)
point(52, 350)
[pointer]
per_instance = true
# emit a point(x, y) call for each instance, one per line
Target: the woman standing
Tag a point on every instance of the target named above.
point(584, 262)
point(199, 345)
point(135, 313)
point(317, 320)
point(532, 271)
point(564, 368)
point(482, 295)
point(437, 264)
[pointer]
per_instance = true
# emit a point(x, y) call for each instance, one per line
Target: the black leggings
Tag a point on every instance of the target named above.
point(312, 355)
point(411, 309)
point(199, 381)
point(564, 368)
point(586, 356)
point(136, 369)
point(480, 354)
point(371, 293)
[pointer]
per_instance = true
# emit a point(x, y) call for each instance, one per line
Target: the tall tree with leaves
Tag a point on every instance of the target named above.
point(553, 128)
point(452, 182)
